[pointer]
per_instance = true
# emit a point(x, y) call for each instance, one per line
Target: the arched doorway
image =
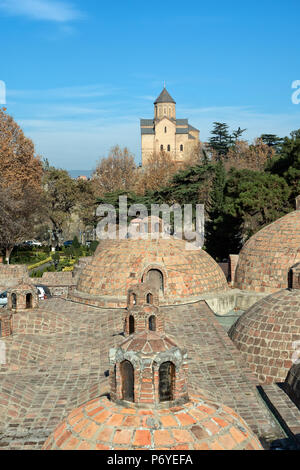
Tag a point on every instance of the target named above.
point(28, 301)
point(127, 376)
point(152, 323)
point(156, 278)
point(13, 301)
point(166, 381)
point(131, 324)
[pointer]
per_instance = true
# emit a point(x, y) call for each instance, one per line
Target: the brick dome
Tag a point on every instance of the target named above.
point(265, 334)
point(117, 264)
point(265, 259)
point(198, 425)
point(292, 382)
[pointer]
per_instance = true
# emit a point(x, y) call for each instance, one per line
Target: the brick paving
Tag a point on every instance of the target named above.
point(58, 356)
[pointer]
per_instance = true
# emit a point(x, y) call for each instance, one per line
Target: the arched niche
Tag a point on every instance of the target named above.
point(131, 325)
point(166, 381)
point(156, 278)
point(149, 298)
point(152, 323)
point(127, 378)
point(28, 301)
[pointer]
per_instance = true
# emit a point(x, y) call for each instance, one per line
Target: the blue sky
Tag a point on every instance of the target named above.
point(80, 74)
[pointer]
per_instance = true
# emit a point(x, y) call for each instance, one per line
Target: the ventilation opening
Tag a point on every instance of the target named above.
point(127, 376)
point(132, 299)
point(131, 324)
point(152, 323)
point(149, 299)
point(13, 300)
point(290, 279)
point(29, 301)
point(166, 381)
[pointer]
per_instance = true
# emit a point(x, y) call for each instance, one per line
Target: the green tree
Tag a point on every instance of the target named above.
point(272, 140)
point(221, 140)
point(61, 196)
point(222, 229)
point(256, 198)
point(287, 164)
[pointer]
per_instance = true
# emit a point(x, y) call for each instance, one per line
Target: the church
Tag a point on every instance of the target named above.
point(166, 133)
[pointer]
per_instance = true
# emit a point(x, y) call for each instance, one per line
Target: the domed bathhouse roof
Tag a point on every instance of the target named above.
point(179, 274)
point(265, 334)
point(197, 425)
point(292, 381)
point(265, 259)
point(150, 408)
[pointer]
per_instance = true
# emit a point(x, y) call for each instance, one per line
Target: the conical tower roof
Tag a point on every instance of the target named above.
point(164, 97)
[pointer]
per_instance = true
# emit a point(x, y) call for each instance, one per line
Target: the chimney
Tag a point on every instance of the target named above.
point(298, 203)
point(233, 262)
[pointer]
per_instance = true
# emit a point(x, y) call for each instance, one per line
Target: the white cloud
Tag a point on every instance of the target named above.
point(50, 10)
point(75, 92)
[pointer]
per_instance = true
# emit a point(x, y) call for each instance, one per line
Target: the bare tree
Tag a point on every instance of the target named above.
point(21, 174)
point(159, 170)
point(115, 173)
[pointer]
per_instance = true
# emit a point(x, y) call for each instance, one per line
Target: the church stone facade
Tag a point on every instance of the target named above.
point(166, 133)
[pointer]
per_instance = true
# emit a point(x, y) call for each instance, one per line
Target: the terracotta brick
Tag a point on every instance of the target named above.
point(162, 438)
point(185, 419)
point(182, 435)
point(123, 436)
point(142, 438)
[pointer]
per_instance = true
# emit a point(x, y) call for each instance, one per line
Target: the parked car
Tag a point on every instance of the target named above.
point(3, 299)
point(68, 243)
point(32, 243)
point(44, 292)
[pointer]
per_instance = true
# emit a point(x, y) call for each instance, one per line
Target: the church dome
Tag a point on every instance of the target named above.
point(265, 334)
point(179, 274)
point(198, 425)
point(265, 259)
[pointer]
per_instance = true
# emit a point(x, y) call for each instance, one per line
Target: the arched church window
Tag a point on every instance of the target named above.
point(127, 377)
point(166, 381)
point(165, 130)
point(169, 148)
point(181, 148)
point(152, 323)
point(161, 147)
point(131, 324)
point(132, 299)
